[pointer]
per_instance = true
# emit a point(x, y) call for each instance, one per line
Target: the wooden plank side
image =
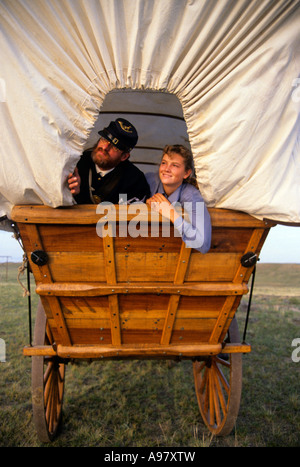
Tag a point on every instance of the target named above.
point(140, 318)
point(83, 267)
point(88, 307)
point(87, 214)
point(77, 214)
point(230, 239)
point(146, 266)
point(148, 244)
point(111, 279)
point(94, 289)
point(91, 336)
point(81, 238)
point(191, 336)
point(70, 238)
point(212, 267)
point(230, 218)
point(138, 351)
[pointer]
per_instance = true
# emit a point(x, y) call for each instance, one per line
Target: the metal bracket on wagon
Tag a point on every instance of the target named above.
point(39, 257)
point(249, 259)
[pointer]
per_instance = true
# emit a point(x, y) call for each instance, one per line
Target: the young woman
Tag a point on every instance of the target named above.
point(173, 185)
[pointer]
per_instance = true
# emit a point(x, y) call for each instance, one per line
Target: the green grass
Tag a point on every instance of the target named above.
point(146, 403)
point(278, 279)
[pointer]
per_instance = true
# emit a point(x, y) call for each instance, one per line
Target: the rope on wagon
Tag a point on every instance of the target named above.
point(21, 270)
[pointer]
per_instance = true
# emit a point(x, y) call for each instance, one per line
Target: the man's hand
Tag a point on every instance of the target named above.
point(74, 182)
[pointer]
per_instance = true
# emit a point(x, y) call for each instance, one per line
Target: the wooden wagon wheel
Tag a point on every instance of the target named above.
point(48, 375)
point(218, 385)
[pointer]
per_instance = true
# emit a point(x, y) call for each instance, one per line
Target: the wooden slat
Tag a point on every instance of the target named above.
point(182, 264)
point(169, 320)
point(87, 214)
point(111, 278)
point(85, 239)
point(115, 319)
point(180, 272)
point(70, 238)
point(83, 214)
point(243, 273)
point(59, 320)
point(228, 218)
point(109, 259)
point(93, 290)
point(222, 318)
point(212, 267)
point(86, 322)
point(124, 351)
point(145, 267)
point(47, 350)
point(78, 214)
point(39, 350)
point(141, 305)
point(138, 350)
point(77, 267)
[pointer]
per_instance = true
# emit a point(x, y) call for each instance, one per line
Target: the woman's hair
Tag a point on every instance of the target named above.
point(187, 156)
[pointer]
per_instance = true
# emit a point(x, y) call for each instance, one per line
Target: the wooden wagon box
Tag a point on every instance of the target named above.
point(105, 293)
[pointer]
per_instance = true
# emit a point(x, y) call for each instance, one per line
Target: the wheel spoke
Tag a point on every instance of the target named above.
point(218, 388)
point(49, 400)
point(211, 399)
point(220, 395)
point(216, 401)
point(48, 376)
point(48, 385)
point(222, 378)
point(222, 361)
point(48, 371)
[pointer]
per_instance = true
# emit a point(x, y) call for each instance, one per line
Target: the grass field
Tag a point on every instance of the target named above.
point(146, 403)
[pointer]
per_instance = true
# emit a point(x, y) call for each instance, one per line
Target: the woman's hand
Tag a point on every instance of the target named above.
point(74, 182)
point(161, 204)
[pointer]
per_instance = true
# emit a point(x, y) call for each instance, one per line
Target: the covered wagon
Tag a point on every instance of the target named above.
point(219, 77)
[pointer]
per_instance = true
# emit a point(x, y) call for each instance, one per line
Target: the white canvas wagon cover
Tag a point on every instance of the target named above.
point(220, 75)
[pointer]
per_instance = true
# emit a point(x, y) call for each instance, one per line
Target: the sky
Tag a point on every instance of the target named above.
point(281, 246)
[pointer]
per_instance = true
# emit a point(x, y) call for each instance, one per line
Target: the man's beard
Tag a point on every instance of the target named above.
point(102, 159)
